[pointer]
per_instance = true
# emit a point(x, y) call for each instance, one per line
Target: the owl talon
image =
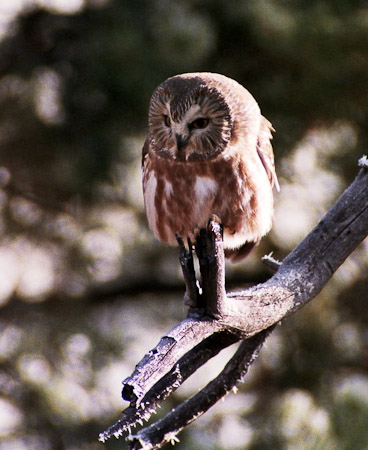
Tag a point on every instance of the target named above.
point(194, 235)
point(210, 252)
point(215, 227)
point(180, 242)
point(192, 295)
point(214, 218)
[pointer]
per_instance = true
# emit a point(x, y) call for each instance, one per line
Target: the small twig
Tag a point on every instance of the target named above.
point(363, 162)
point(271, 262)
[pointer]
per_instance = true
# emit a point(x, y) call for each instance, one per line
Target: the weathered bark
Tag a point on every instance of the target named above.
point(217, 319)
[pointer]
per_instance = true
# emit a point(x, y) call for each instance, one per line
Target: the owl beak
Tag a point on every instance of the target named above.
point(181, 142)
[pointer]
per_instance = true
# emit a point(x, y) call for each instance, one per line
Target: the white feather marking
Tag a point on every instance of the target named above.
point(192, 113)
point(182, 127)
point(168, 188)
point(238, 239)
point(205, 190)
point(204, 187)
point(149, 199)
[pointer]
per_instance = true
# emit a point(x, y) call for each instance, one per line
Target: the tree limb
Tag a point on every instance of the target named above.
point(166, 429)
point(216, 319)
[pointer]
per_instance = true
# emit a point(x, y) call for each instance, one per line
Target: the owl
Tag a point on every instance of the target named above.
point(208, 152)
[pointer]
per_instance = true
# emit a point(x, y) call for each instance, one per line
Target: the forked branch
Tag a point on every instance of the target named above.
point(216, 319)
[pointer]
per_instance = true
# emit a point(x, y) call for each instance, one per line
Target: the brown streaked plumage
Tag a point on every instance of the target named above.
point(208, 152)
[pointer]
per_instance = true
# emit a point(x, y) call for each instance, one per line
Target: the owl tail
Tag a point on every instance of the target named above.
point(237, 254)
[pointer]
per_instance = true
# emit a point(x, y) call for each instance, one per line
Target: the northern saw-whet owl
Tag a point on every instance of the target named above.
point(208, 152)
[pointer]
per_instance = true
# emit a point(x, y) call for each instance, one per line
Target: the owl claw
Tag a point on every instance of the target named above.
point(210, 252)
point(214, 227)
point(180, 242)
point(193, 236)
point(192, 295)
point(190, 245)
point(214, 218)
point(210, 295)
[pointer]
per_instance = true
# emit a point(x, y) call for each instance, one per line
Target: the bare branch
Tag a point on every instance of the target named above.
point(178, 341)
point(242, 314)
point(183, 369)
point(306, 270)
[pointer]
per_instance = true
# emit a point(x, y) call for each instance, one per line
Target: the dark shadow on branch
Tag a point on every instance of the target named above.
point(217, 319)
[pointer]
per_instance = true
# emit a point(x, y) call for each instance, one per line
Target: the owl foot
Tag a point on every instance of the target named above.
point(210, 251)
point(209, 295)
point(214, 219)
point(192, 296)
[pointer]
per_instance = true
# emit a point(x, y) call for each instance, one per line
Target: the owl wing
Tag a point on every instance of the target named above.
point(265, 152)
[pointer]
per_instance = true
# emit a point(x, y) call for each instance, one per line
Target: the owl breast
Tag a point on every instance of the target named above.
point(181, 197)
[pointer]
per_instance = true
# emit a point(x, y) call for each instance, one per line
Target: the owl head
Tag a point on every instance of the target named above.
point(194, 116)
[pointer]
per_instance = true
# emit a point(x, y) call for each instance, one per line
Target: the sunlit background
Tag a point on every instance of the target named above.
point(85, 290)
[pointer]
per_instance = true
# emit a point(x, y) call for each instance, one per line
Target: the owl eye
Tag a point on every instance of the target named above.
point(201, 122)
point(167, 121)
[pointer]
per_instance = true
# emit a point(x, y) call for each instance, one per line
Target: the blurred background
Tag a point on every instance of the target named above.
point(85, 289)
